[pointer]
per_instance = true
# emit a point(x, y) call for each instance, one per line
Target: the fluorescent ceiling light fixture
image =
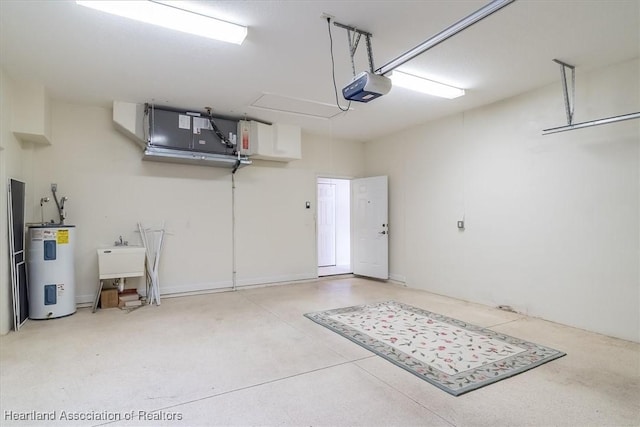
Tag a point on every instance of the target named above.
point(169, 16)
point(419, 84)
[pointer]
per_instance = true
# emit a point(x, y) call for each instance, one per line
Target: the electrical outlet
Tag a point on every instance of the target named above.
point(54, 187)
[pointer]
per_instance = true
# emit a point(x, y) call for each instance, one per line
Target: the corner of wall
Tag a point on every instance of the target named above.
point(7, 150)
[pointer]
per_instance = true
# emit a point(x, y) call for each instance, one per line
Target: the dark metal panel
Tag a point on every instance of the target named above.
point(205, 138)
point(170, 129)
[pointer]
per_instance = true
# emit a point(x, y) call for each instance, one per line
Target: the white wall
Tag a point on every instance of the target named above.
point(110, 189)
point(552, 222)
point(279, 240)
point(15, 162)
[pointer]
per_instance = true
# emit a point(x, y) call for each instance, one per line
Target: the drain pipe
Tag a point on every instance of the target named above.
point(233, 232)
point(59, 204)
point(43, 200)
point(54, 189)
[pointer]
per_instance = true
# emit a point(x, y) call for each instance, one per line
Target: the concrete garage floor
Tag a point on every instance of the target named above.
point(251, 358)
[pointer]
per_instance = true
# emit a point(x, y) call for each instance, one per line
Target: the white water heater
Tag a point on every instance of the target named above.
point(51, 271)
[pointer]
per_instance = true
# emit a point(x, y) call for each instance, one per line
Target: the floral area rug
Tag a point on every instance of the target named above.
point(451, 354)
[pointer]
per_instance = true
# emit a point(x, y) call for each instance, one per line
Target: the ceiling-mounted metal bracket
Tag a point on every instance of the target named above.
point(569, 103)
point(353, 35)
point(569, 99)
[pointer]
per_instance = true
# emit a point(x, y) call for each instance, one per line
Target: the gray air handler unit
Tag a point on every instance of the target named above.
point(180, 136)
point(51, 266)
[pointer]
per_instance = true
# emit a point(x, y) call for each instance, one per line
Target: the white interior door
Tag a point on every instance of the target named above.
point(326, 225)
point(369, 201)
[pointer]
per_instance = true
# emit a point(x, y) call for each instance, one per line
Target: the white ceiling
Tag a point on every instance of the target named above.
point(87, 57)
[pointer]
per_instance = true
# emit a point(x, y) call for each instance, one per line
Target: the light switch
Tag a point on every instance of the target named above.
point(461, 225)
point(308, 205)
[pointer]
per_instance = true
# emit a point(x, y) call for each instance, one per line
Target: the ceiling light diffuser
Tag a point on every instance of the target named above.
point(168, 16)
point(419, 84)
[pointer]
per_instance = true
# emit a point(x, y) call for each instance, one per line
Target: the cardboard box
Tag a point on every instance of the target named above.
point(130, 304)
point(129, 298)
point(109, 298)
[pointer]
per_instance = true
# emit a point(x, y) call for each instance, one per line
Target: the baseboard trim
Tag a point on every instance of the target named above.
point(398, 278)
point(86, 300)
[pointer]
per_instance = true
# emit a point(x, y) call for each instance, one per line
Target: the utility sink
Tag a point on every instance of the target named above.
point(121, 261)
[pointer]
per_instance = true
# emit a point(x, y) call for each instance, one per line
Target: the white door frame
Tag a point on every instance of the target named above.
point(338, 177)
point(326, 224)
